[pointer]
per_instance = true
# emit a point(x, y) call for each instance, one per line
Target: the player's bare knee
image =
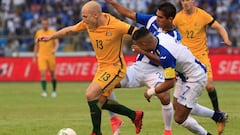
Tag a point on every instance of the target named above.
point(178, 119)
point(164, 98)
point(89, 95)
point(210, 87)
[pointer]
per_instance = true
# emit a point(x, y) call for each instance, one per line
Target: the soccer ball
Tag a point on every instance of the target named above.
point(66, 131)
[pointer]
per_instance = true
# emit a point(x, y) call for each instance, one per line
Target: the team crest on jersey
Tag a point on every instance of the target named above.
point(197, 24)
point(108, 33)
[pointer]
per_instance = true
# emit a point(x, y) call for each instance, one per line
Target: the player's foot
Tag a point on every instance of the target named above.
point(138, 121)
point(221, 122)
point(54, 94)
point(116, 123)
point(209, 134)
point(167, 132)
point(44, 94)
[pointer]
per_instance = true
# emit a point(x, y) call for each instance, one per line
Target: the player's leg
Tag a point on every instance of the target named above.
point(52, 65)
point(44, 83)
point(184, 103)
point(93, 93)
point(128, 81)
point(212, 93)
point(42, 66)
point(209, 85)
point(135, 116)
point(107, 81)
point(167, 111)
point(155, 77)
point(54, 83)
point(115, 121)
point(182, 117)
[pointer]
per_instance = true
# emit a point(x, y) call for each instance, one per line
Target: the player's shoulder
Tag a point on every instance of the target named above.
point(164, 36)
point(110, 18)
point(201, 12)
point(52, 30)
point(116, 23)
point(179, 14)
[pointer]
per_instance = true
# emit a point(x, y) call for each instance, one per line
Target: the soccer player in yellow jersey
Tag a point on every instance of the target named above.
point(106, 33)
point(45, 51)
point(192, 22)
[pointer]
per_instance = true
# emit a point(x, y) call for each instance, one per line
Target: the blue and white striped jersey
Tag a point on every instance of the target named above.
point(177, 57)
point(149, 21)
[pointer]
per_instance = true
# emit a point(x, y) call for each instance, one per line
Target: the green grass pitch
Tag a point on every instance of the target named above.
point(24, 112)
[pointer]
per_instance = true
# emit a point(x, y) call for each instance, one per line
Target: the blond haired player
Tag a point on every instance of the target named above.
point(192, 22)
point(45, 51)
point(106, 33)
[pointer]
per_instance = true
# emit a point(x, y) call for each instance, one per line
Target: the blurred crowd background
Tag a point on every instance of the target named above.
point(19, 20)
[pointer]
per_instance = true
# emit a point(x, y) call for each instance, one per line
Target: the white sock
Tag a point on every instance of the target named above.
point(112, 97)
point(193, 126)
point(202, 111)
point(167, 114)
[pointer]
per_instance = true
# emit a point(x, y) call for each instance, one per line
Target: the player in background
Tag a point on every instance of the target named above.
point(192, 22)
point(178, 61)
point(106, 33)
point(44, 55)
point(145, 72)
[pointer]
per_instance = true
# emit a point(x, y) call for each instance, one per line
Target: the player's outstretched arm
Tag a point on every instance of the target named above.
point(123, 10)
point(223, 33)
point(56, 45)
point(61, 33)
point(165, 86)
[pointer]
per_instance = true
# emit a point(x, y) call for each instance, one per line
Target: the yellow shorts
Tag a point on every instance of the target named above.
point(108, 78)
point(46, 63)
point(206, 61)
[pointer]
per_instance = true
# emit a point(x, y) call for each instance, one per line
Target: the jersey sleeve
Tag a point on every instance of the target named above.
point(143, 18)
point(207, 17)
point(125, 28)
point(79, 26)
point(176, 19)
point(168, 62)
point(36, 35)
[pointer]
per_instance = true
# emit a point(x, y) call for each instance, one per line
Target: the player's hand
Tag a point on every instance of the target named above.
point(147, 96)
point(137, 49)
point(53, 51)
point(227, 43)
point(44, 38)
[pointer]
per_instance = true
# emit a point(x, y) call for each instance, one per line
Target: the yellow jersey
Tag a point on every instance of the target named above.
point(107, 40)
point(45, 48)
point(193, 30)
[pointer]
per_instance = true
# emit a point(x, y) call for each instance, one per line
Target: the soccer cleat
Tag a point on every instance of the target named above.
point(221, 122)
point(138, 121)
point(116, 123)
point(167, 132)
point(54, 94)
point(44, 94)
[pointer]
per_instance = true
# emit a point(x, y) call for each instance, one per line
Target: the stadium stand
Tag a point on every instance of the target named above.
point(19, 19)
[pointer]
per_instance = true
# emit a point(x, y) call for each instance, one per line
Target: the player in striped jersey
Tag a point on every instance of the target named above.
point(176, 58)
point(192, 22)
point(145, 72)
